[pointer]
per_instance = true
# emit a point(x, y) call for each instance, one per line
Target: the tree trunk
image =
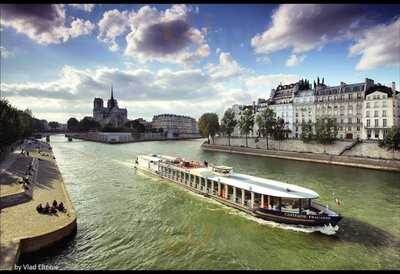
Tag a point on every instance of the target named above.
point(267, 139)
point(229, 140)
point(246, 142)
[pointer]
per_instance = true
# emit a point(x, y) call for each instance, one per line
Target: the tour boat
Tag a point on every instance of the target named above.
point(263, 198)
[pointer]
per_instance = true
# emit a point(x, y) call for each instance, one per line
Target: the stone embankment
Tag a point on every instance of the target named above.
point(94, 137)
point(23, 229)
point(364, 155)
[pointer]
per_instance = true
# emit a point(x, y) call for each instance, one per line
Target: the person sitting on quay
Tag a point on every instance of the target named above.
point(47, 208)
point(61, 207)
point(53, 210)
point(55, 203)
point(39, 208)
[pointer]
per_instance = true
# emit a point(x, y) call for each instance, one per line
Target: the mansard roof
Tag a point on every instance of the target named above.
point(380, 88)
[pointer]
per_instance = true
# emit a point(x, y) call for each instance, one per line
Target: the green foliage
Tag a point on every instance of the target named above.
point(266, 122)
point(246, 122)
point(280, 132)
point(110, 128)
point(72, 124)
point(228, 123)
point(136, 126)
point(88, 123)
point(326, 131)
point(15, 124)
point(306, 132)
point(208, 125)
point(392, 139)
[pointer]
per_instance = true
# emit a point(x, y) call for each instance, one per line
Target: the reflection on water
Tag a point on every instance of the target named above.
point(127, 220)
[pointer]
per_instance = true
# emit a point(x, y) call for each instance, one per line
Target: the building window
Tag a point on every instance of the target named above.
point(367, 105)
point(349, 128)
point(376, 123)
point(385, 132)
point(358, 128)
point(358, 120)
point(349, 121)
point(375, 113)
point(368, 133)
point(384, 123)
point(375, 104)
point(384, 113)
point(377, 133)
point(368, 123)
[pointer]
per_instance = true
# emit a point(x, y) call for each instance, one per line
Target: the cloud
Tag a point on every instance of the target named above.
point(84, 7)
point(263, 59)
point(378, 46)
point(304, 27)
point(113, 24)
point(44, 24)
point(4, 53)
point(153, 35)
point(227, 67)
point(295, 60)
point(144, 92)
point(137, 85)
point(261, 85)
point(165, 36)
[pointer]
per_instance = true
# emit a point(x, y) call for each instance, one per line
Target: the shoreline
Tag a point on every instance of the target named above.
point(23, 229)
point(368, 163)
point(133, 141)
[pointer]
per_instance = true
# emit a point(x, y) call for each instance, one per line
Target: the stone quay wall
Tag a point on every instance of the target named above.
point(378, 164)
point(345, 148)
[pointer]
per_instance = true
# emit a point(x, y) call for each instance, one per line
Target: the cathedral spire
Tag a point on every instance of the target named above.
point(112, 93)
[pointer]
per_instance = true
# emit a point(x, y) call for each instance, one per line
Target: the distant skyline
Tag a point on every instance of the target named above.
point(186, 59)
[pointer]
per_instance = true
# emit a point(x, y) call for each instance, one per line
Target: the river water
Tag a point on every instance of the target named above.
point(130, 220)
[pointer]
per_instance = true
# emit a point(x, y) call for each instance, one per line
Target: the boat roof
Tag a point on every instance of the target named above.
point(259, 185)
point(250, 183)
point(150, 157)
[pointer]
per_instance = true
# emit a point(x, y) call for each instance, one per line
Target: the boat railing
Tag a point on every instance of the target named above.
point(323, 209)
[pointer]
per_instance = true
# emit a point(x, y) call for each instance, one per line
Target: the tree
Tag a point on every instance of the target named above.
point(14, 124)
point(392, 139)
point(280, 132)
point(54, 125)
point(266, 122)
point(306, 132)
point(228, 123)
point(136, 125)
point(208, 125)
point(72, 124)
point(246, 123)
point(88, 123)
point(326, 131)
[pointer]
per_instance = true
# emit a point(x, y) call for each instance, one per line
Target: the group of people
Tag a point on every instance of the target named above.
point(51, 209)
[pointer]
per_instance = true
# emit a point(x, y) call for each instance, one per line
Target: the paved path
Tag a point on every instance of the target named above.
point(23, 221)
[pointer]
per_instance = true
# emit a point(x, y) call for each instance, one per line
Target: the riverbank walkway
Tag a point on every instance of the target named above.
point(22, 228)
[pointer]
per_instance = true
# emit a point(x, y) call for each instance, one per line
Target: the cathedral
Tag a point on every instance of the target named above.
point(112, 114)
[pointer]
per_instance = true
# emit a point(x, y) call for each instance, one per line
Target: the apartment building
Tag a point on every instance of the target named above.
point(381, 111)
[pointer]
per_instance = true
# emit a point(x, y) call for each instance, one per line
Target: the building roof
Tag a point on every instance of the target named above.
point(380, 88)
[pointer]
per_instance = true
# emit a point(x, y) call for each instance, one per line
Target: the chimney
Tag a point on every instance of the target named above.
point(393, 86)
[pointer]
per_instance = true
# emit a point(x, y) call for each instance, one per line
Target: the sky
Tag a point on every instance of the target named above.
point(186, 59)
